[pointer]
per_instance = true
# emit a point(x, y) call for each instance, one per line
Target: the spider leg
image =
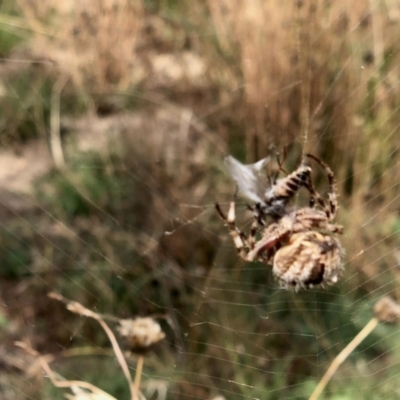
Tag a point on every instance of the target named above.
point(255, 225)
point(333, 228)
point(273, 235)
point(239, 238)
point(310, 187)
point(262, 246)
point(315, 196)
point(253, 233)
point(332, 194)
point(281, 161)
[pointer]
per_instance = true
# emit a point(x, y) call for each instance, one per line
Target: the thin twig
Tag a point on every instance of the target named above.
point(342, 356)
point(55, 135)
point(138, 375)
point(119, 355)
point(61, 383)
point(78, 308)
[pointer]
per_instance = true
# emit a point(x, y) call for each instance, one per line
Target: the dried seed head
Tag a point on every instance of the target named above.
point(386, 310)
point(141, 333)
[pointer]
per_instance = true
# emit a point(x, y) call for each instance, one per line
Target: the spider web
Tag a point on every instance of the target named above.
point(130, 236)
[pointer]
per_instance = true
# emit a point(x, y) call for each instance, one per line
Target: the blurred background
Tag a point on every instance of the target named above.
point(115, 117)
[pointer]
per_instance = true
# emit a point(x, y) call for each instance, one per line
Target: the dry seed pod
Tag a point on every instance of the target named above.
point(386, 310)
point(141, 333)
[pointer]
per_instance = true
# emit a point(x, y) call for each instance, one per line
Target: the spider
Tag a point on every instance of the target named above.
point(301, 243)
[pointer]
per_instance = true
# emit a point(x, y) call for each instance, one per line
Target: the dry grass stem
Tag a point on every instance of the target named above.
point(60, 383)
point(78, 308)
point(138, 375)
point(342, 356)
point(89, 33)
point(55, 135)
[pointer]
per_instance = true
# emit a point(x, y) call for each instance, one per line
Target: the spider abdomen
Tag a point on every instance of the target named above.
point(308, 259)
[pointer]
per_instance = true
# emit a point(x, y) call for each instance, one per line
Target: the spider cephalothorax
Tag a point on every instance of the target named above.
point(300, 243)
